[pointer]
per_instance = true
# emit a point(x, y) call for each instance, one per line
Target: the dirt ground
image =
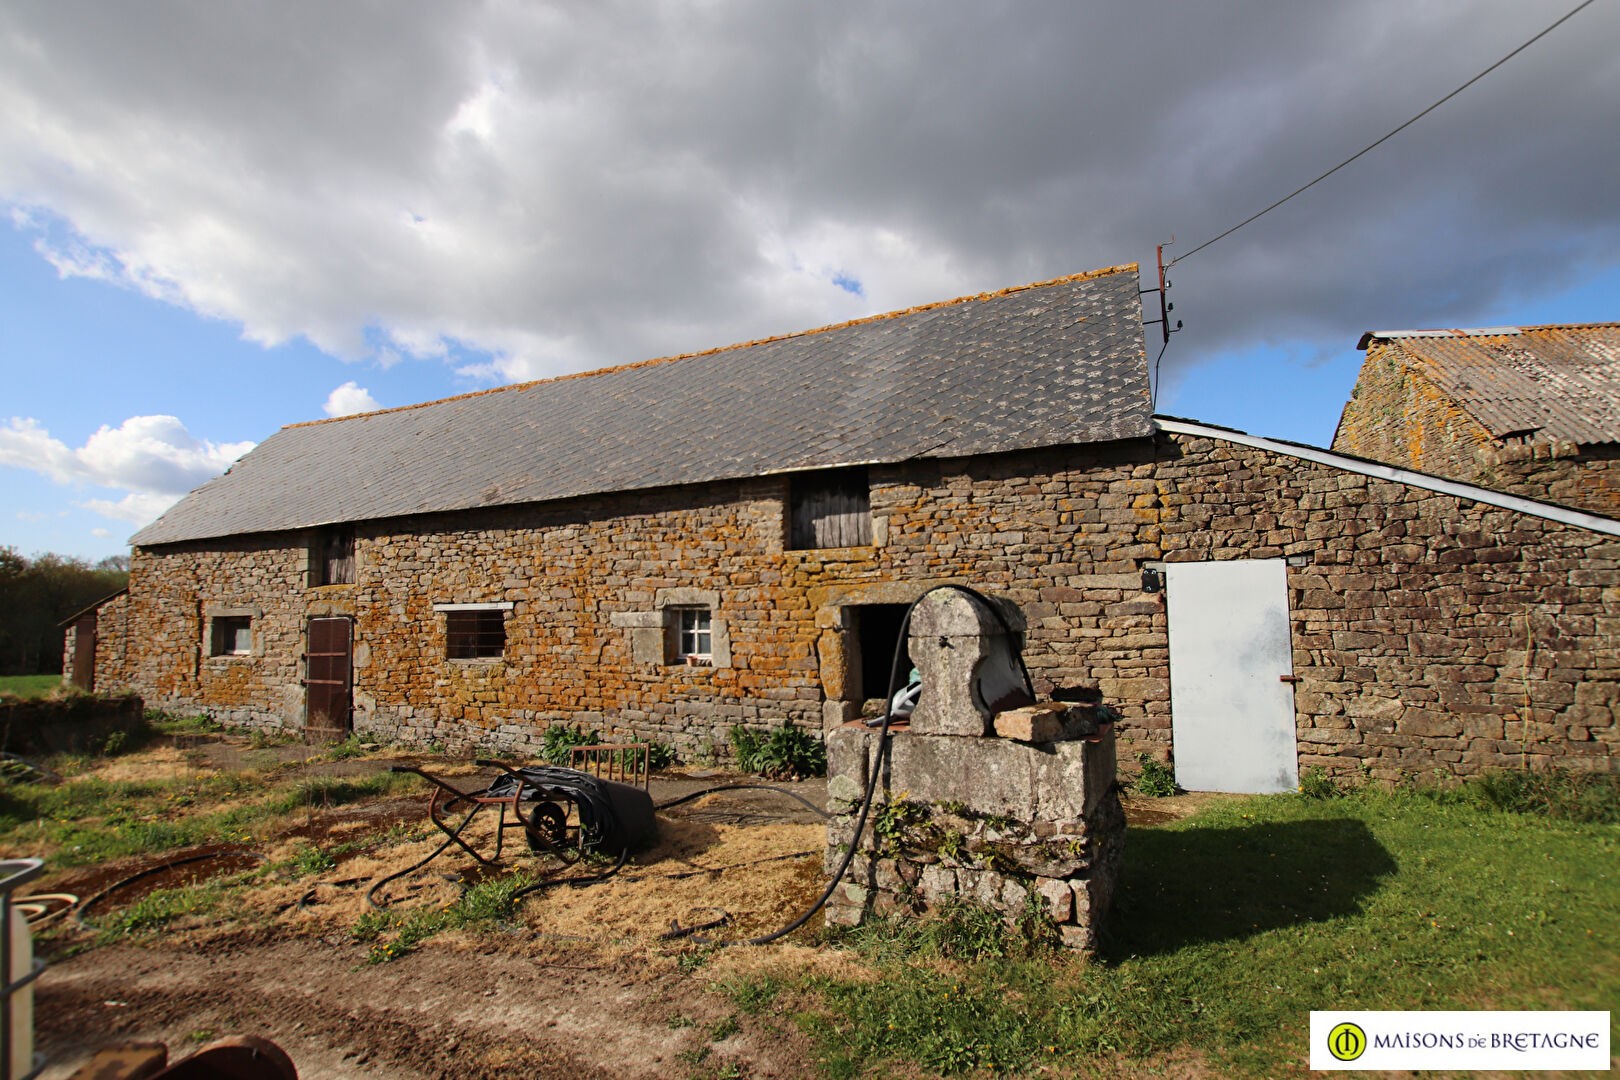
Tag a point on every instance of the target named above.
point(584, 985)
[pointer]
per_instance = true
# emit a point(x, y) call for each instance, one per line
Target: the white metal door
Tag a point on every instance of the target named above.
point(1231, 662)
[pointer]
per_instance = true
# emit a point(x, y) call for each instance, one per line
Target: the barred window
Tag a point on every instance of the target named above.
point(475, 635)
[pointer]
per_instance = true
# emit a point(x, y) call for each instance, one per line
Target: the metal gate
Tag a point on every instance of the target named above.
point(1231, 676)
point(328, 679)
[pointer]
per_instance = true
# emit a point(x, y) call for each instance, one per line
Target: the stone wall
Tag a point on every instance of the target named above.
point(1397, 415)
point(1009, 825)
point(76, 724)
point(1430, 631)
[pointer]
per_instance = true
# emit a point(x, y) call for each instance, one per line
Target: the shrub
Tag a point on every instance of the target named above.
point(788, 753)
point(746, 745)
point(660, 755)
point(558, 742)
point(1156, 779)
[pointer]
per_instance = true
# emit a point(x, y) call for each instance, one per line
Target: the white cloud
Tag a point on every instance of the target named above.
point(139, 508)
point(348, 399)
point(154, 459)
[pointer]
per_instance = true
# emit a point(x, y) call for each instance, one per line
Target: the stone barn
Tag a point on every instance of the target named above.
point(1532, 410)
point(667, 549)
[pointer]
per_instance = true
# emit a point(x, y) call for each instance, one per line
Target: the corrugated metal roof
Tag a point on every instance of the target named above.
point(1553, 382)
point(1054, 363)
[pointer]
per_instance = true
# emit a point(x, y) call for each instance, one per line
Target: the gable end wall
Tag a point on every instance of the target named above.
point(1397, 415)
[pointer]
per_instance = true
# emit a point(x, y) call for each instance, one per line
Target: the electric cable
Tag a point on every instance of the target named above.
point(1379, 142)
point(742, 787)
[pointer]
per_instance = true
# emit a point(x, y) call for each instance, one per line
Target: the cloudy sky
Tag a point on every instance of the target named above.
point(222, 218)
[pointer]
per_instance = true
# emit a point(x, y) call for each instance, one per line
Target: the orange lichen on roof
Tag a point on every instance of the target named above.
point(917, 309)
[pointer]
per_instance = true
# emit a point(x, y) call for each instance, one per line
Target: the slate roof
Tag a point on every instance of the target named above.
point(1547, 382)
point(1054, 363)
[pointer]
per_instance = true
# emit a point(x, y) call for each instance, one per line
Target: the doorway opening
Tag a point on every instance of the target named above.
point(877, 631)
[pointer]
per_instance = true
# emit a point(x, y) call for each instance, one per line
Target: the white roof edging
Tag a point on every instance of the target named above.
point(1546, 511)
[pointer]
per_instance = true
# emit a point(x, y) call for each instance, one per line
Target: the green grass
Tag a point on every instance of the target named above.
point(29, 686)
point(87, 820)
point(1231, 926)
point(485, 905)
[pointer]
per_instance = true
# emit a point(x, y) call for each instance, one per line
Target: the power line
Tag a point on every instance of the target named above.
point(1372, 146)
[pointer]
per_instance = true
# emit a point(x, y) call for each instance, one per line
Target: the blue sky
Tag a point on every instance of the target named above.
point(220, 223)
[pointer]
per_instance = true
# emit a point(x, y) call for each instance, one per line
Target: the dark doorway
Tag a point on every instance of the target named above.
point(84, 651)
point(327, 679)
point(877, 629)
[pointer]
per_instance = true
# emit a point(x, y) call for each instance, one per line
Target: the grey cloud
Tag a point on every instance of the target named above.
point(299, 167)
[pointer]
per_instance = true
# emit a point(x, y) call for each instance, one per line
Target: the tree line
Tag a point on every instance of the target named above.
point(37, 594)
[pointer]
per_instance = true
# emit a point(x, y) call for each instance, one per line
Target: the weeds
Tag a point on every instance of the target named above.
point(169, 724)
point(1156, 779)
point(558, 741)
point(1317, 784)
point(954, 929)
point(487, 904)
point(1562, 794)
point(309, 860)
point(787, 753)
point(158, 908)
point(660, 755)
point(352, 747)
point(752, 996)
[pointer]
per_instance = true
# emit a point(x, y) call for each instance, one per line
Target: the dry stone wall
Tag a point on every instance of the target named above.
point(1430, 631)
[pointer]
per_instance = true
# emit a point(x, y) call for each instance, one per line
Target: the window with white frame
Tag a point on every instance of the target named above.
point(693, 629)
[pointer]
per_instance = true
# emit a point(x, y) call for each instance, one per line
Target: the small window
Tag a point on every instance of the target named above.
point(830, 510)
point(693, 628)
point(334, 558)
point(475, 635)
point(232, 635)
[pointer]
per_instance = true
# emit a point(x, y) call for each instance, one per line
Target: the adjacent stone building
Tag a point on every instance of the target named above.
point(1531, 410)
point(668, 549)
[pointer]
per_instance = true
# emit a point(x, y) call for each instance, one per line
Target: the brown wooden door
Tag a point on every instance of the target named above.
point(84, 652)
point(327, 679)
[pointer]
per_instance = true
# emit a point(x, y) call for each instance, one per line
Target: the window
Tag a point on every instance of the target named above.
point(830, 509)
point(693, 628)
point(477, 634)
point(334, 557)
point(232, 635)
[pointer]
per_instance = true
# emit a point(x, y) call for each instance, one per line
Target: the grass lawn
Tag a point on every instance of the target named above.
point(1232, 925)
point(29, 686)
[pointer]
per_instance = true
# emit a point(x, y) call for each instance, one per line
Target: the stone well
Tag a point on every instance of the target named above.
point(984, 796)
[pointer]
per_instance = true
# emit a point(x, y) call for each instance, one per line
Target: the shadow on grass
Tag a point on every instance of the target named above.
point(1202, 885)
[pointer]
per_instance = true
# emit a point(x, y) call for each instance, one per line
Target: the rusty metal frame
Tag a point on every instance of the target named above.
point(626, 763)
